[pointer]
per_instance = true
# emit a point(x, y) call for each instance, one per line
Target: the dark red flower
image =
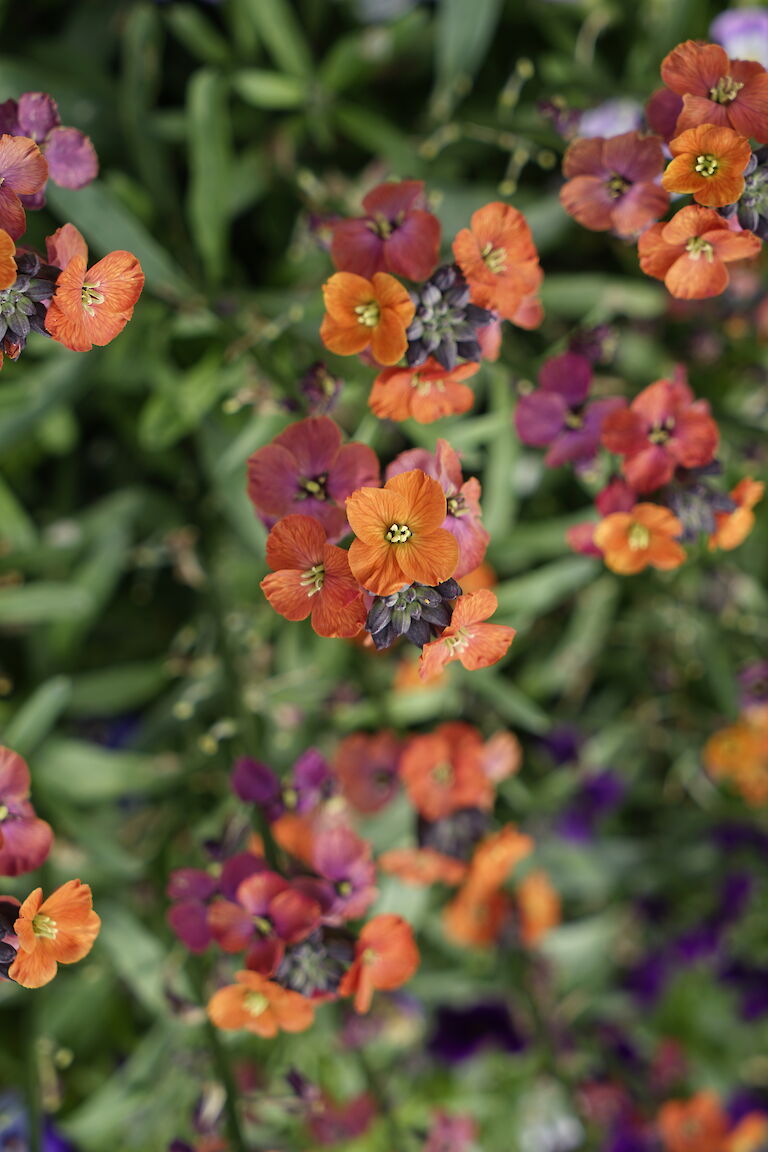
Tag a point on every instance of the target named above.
point(25, 840)
point(396, 234)
point(611, 183)
point(716, 90)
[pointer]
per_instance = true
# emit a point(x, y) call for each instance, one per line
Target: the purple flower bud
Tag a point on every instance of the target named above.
point(256, 783)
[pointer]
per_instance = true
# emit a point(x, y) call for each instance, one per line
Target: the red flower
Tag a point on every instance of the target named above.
point(500, 263)
point(25, 840)
point(23, 172)
point(691, 251)
point(716, 90)
point(612, 183)
point(386, 957)
point(311, 577)
point(396, 235)
point(443, 771)
point(467, 638)
point(664, 427)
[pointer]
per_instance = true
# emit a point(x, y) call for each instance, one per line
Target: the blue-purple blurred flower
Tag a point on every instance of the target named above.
point(743, 32)
point(599, 795)
point(611, 118)
point(461, 1032)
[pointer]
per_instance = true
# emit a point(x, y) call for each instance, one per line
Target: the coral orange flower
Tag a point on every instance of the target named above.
point(467, 638)
point(422, 866)
point(399, 534)
point(709, 162)
point(258, 1005)
point(612, 183)
point(311, 577)
point(696, 1125)
point(424, 394)
point(732, 528)
point(496, 856)
point(500, 263)
point(716, 90)
point(475, 917)
point(443, 771)
point(59, 930)
point(690, 252)
point(749, 1135)
point(91, 305)
point(739, 755)
point(7, 261)
point(386, 957)
point(538, 905)
point(23, 172)
point(630, 541)
point(364, 314)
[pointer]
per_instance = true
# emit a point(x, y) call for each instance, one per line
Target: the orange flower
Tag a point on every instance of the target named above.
point(709, 162)
point(734, 527)
point(91, 305)
point(364, 313)
point(630, 541)
point(7, 262)
point(399, 535)
point(739, 754)
point(496, 857)
point(695, 1125)
point(311, 577)
point(538, 905)
point(690, 252)
point(386, 957)
point(261, 1006)
point(749, 1135)
point(499, 260)
point(59, 930)
point(467, 638)
point(443, 771)
point(424, 394)
point(422, 866)
point(716, 90)
point(481, 577)
point(475, 918)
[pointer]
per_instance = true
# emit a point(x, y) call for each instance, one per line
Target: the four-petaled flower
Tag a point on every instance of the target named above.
point(25, 839)
point(709, 163)
point(716, 90)
point(396, 234)
point(363, 314)
point(631, 541)
point(468, 638)
point(386, 957)
point(59, 930)
point(690, 252)
point(424, 394)
point(23, 172)
point(498, 257)
point(612, 183)
point(258, 1005)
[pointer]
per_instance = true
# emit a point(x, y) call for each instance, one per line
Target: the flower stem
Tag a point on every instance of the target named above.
point(220, 1062)
point(33, 1085)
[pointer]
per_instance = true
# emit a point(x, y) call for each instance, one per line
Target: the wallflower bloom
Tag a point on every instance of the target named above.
point(708, 162)
point(90, 305)
point(443, 771)
point(690, 252)
point(422, 867)
point(307, 470)
point(739, 755)
point(630, 541)
point(396, 235)
point(7, 261)
point(424, 394)
point(696, 1125)
point(734, 527)
point(399, 538)
point(386, 957)
point(23, 172)
point(538, 906)
point(363, 313)
point(611, 183)
point(258, 1005)
point(499, 260)
point(468, 638)
point(266, 915)
point(663, 428)
point(311, 577)
point(749, 1135)
point(59, 930)
point(25, 840)
point(716, 90)
point(367, 769)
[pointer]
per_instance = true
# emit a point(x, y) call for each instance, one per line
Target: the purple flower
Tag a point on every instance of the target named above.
point(611, 118)
point(743, 32)
point(598, 796)
point(751, 982)
point(256, 783)
point(557, 413)
point(461, 1032)
point(647, 979)
point(342, 857)
point(313, 781)
point(192, 889)
point(563, 743)
point(72, 160)
point(753, 682)
point(320, 389)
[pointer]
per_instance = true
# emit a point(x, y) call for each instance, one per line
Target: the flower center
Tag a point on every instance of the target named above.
point(399, 533)
point(574, 420)
point(726, 90)
point(424, 387)
point(458, 642)
point(616, 186)
point(44, 926)
point(314, 486)
point(457, 505)
point(91, 296)
point(255, 1003)
point(368, 956)
point(495, 258)
point(707, 164)
point(697, 247)
point(313, 579)
point(662, 432)
point(4, 812)
point(442, 773)
point(639, 537)
point(262, 925)
point(368, 314)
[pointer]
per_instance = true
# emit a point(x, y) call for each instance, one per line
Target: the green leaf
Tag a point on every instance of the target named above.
point(464, 32)
point(281, 32)
point(182, 400)
point(89, 774)
point(273, 90)
point(16, 528)
point(42, 603)
point(210, 161)
point(198, 34)
point(44, 388)
point(591, 297)
point(136, 955)
point(36, 717)
point(530, 596)
point(111, 691)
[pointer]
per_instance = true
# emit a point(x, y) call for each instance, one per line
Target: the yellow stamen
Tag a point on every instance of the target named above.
point(399, 533)
point(495, 259)
point(707, 164)
point(255, 1003)
point(368, 314)
point(44, 926)
point(639, 537)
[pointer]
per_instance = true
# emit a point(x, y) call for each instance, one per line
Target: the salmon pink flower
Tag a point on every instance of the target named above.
point(25, 840)
point(612, 183)
point(90, 305)
point(558, 416)
point(59, 930)
point(71, 157)
point(362, 313)
point(386, 957)
point(267, 915)
point(307, 470)
point(443, 771)
point(451, 1134)
point(367, 769)
point(23, 172)
point(631, 541)
point(463, 518)
point(468, 638)
point(499, 260)
point(422, 867)
point(716, 90)
point(7, 262)
point(708, 162)
point(258, 1005)
point(663, 428)
point(342, 857)
point(311, 577)
point(424, 394)
point(399, 534)
point(690, 252)
point(699, 1124)
point(396, 234)
point(733, 527)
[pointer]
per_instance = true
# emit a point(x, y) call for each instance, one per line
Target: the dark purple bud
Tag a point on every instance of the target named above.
point(256, 783)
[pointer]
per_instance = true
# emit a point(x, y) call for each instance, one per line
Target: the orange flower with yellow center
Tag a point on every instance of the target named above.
point(631, 541)
point(399, 535)
point(59, 930)
point(732, 528)
point(7, 260)
point(364, 314)
point(256, 1004)
point(709, 162)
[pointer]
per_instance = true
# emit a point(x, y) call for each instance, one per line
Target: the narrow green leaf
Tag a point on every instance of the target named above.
point(89, 774)
point(42, 603)
point(279, 29)
point(198, 34)
point(210, 160)
point(16, 528)
point(36, 717)
point(464, 32)
point(274, 90)
point(111, 691)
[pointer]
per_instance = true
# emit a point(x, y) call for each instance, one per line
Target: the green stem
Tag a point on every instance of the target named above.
point(221, 1065)
point(400, 1139)
point(33, 1085)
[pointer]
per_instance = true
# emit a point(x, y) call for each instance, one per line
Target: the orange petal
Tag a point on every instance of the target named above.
point(371, 511)
point(286, 593)
point(428, 558)
point(345, 291)
point(376, 566)
point(489, 643)
point(424, 500)
point(296, 542)
point(388, 338)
